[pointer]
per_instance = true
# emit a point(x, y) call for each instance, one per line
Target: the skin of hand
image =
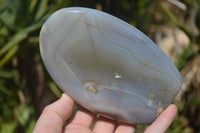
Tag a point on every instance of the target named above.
point(55, 114)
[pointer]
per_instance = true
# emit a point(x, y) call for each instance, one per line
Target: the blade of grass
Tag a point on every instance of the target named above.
point(170, 15)
point(8, 56)
point(42, 8)
point(5, 90)
point(19, 37)
point(16, 39)
point(7, 74)
point(55, 89)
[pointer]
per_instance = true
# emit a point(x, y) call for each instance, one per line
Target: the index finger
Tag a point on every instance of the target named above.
point(54, 115)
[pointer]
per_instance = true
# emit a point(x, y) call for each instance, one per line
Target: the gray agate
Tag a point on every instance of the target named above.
point(108, 66)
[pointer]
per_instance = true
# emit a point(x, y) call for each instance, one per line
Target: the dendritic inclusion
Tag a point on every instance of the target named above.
point(107, 65)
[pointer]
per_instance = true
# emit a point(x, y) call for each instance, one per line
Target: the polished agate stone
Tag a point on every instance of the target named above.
point(108, 66)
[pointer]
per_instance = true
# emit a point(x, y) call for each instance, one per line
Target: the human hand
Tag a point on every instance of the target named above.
point(55, 114)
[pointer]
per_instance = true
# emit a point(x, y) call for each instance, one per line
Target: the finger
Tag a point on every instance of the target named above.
point(76, 128)
point(164, 120)
point(125, 128)
point(104, 125)
point(54, 115)
point(83, 117)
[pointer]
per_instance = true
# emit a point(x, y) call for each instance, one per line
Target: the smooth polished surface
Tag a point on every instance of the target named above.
point(107, 65)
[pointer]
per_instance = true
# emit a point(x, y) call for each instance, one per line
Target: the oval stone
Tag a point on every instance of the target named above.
point(108, 66)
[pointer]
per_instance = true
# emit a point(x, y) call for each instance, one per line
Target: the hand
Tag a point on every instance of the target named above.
point(55, 114)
